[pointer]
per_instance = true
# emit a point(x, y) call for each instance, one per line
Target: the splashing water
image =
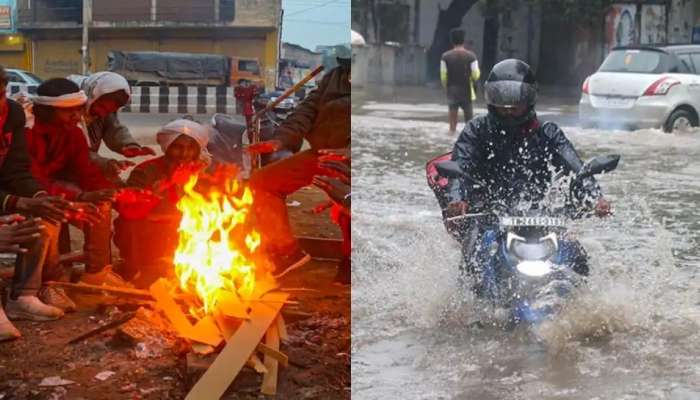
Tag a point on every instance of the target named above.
point(632, 332)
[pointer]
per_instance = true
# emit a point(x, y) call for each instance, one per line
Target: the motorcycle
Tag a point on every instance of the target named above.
point(518, 254)
point(226, 143)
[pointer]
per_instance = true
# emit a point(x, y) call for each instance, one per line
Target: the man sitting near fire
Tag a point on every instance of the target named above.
point(151, 211)
point(60, 161)
point(323, 119)
point(106, 93)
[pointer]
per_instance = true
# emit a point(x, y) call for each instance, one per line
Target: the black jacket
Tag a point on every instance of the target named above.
point(16, 179)
point(514, 163)
point(323, 117)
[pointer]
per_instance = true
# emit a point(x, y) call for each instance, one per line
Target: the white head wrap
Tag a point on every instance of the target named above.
point(64, 101)
point(172, 130)
point(101, 83)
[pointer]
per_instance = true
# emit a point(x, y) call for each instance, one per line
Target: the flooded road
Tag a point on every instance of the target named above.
point(634, 335)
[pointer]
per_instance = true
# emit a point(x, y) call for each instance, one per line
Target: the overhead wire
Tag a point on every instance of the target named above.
point(312, 8)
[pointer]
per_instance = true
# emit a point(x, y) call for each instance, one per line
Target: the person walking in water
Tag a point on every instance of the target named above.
point(459, 69)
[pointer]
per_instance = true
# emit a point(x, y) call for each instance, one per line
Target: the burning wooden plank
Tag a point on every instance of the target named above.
point(205, 331)
point(238, 349)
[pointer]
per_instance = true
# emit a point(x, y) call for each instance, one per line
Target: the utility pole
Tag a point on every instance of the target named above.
point(279, 49)
point(87, 20)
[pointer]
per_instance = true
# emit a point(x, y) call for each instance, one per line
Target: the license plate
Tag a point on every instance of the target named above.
point(613, 102)
point(532, 221)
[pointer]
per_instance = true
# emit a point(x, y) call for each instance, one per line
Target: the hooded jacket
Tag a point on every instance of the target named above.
point(107, 129)
point(323, 117)
point(514, 163)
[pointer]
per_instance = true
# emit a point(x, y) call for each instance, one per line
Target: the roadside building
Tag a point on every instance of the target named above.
point(52, 31)
point(14, 48)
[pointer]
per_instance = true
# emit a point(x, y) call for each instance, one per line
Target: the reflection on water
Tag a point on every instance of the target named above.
point(633, 333)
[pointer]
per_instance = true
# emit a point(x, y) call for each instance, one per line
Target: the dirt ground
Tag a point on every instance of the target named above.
point(318, 345)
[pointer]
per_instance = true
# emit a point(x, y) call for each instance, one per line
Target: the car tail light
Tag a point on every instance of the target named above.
point(661, 86)
point(584, 88)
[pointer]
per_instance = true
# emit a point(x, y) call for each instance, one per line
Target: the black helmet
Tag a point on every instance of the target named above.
point(511, 83)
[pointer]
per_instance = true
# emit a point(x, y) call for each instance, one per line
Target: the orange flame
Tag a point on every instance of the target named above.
point(215, 253)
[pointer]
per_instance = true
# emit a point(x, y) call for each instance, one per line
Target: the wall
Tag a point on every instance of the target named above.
point(360, 65)
point(14, 52)
point(122, 10)
point(301, 55)
point(55, 58)
point(380, 65)
point(197, 10)
point(652, 29)
point(519, 35)
point(681, 21)
point(388, 65)
point(248, 13)
point(237, 13)
point(409, 67)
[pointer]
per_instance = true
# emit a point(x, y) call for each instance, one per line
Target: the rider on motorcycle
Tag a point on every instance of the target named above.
point(513, 152)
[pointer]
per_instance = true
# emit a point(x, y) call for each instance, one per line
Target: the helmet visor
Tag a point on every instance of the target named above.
point(509, 94)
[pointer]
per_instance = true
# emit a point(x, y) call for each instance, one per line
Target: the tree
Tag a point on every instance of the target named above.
point(576, 11)
point(448, 19)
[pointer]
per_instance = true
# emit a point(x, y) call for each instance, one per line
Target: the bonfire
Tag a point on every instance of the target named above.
point(226, 283)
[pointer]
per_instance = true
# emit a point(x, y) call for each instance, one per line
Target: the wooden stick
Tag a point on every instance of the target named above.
point(299, 290)
point(300, 314)
point(270, 351)
point(96, 288)
point(270, 106)
point(255, 122)
point(126, 317)
point(272, 341)
point(282, 328)
point(255, 363)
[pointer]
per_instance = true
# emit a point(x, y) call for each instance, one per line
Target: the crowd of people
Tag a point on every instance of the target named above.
point(51, 176)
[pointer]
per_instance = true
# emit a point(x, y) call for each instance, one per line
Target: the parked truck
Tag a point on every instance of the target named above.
point(155, 68)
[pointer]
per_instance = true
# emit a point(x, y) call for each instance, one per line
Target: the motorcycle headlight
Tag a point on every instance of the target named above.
point(534, 268)
point(532, 251)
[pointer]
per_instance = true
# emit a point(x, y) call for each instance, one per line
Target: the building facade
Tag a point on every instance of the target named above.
point(52, 31)
point(14, 49)
point(562, 51)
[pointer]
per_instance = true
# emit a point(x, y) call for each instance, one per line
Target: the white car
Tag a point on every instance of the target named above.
point(644, 87)
point(21, 81)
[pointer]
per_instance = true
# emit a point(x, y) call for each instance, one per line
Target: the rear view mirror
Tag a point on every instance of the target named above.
point(449, 169)
point(599, 165)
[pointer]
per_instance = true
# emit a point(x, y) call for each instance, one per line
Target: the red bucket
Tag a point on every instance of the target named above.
point(136, 204)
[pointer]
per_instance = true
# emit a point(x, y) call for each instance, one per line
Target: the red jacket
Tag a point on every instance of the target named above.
point(61, 160)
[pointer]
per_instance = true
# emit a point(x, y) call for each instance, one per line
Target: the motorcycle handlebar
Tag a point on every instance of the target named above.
point(568, 211)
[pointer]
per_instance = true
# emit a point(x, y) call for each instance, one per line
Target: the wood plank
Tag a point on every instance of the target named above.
point(269, 383)
point(205, 331)
point(227, 325)
point(282, 328)
point(238, 350)
point(255, 363)
point(274, 353)
point(99, 289)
